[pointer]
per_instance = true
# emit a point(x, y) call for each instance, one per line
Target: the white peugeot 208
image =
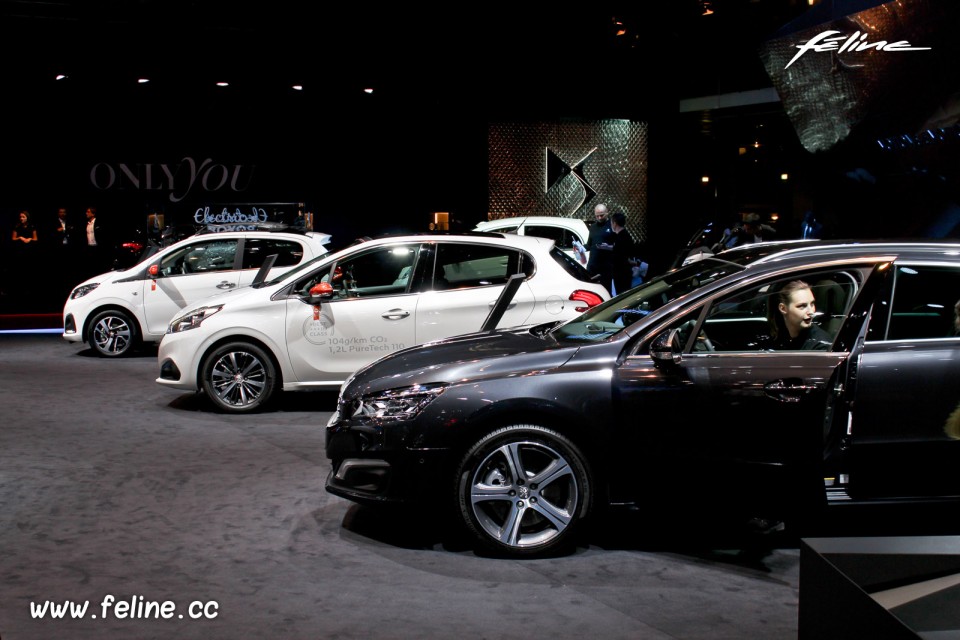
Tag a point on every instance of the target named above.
point(315, 325)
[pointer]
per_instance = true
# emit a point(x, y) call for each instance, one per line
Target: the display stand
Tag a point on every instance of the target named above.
point(883, 587)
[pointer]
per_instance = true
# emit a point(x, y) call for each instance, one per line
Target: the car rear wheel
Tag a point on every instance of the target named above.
point(239, 378)
point(524, 490)
point(112, 334)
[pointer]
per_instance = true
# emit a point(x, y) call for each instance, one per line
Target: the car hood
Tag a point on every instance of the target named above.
point(474, 356)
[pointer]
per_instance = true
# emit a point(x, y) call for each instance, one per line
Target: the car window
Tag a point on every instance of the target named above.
point(751, 319)
point(924, 302)
point(200, 257)
point(460, 265)
point(604, 320)
point(504, 229)
point(256, 250)
point(563, 238)
point(570, 265)
point(376, 272)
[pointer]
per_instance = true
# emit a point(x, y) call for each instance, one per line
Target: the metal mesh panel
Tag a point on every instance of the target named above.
point(566, 168)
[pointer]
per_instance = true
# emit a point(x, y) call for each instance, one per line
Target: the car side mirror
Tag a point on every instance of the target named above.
point(318, 293)
point(153, 271)
point(666, 349)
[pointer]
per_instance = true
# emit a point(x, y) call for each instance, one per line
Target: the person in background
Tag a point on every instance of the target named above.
point(599, 230)
point(63, 229)
point(97, 244)
point(810, 227)
point(24, 232)
point(749, 231)
point(622, 250)
point(792, 325)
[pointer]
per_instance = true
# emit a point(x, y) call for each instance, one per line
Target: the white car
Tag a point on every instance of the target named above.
point(567, 233)
point(117, 311)
point(314, 326)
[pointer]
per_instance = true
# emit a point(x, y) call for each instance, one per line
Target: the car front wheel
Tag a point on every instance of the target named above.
point(112, 334)
point(239, 378)
point(524, 490)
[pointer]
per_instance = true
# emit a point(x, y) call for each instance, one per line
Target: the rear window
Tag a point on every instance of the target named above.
point(570, 264)
point(562, 237)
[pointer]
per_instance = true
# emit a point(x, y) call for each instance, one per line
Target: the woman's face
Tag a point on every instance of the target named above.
point(798, 314)
point(23, 218)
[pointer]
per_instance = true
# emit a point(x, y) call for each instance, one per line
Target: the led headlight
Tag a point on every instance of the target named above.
point(396, 405)
point(193, 319)
point(83, 290)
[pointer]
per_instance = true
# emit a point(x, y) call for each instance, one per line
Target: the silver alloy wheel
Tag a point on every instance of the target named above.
point(112, 334)
point(238, 378)
point(524, 494)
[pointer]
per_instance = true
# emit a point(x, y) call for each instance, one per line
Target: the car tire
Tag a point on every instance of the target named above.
point(239, 377)
point(523, 491)
point(113, 334)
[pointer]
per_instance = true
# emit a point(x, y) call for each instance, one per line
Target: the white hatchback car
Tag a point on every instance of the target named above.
point(567, 233)
point(116, 311)
point(379, 296)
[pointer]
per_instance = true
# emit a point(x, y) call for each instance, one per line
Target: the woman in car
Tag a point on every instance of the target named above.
point(791, 323)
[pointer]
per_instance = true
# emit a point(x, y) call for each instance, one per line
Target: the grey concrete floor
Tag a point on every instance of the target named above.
point(113, 486)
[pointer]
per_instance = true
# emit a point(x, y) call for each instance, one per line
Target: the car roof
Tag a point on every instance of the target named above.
point(310, 236)
point(807, 250)
point(528, 243)
point(556, 221)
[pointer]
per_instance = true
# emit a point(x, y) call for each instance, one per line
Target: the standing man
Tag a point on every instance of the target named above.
point(599, 243)
point(96, 242)
point(63, 231)
point(621, 254)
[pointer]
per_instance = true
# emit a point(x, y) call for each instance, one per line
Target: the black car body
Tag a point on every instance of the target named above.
point(672, 390)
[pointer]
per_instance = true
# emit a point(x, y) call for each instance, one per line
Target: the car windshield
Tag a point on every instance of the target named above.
point(611, 317)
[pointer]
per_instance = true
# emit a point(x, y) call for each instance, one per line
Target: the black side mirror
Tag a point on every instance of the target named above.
point(666, 348)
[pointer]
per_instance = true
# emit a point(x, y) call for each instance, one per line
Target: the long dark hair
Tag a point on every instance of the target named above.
point(777, 325)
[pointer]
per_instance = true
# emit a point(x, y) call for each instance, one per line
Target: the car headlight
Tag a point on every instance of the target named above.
point(193, 319)
point(83, 290)
point(396, 405)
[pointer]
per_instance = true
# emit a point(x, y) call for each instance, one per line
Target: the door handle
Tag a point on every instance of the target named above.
point(509, 306)
point(789, 390)
point(226, 285)
point(395, 314)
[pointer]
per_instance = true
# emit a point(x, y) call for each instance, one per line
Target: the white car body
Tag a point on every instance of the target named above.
point(117, 310)
point(392, 293)
point(565, 232)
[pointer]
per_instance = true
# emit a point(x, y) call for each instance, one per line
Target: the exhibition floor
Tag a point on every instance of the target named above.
point(115, 487)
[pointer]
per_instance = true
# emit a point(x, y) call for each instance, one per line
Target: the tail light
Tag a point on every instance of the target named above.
point(589, 298)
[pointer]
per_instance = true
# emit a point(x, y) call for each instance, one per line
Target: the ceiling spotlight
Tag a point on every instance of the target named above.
point(223, 84)
point(368, 90)
point(143, 80)
point(298, 87)
point(61, 76)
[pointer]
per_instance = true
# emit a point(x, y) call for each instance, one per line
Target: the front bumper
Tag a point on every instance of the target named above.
point(179, 360)
point(368, 469)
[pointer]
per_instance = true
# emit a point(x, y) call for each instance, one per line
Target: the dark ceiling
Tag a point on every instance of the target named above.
point(569, 61)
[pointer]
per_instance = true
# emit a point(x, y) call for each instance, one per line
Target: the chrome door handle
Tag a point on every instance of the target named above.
point(226, 285)
point(395, 314)
point(509, 306)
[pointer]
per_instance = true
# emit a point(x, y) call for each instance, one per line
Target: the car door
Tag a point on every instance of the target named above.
point(907, 389)
point(466, 281)
point(372, 313)
point(194, 271)
point(725, 417)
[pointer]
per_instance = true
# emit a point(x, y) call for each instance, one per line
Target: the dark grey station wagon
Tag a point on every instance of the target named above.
point(684, 389)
